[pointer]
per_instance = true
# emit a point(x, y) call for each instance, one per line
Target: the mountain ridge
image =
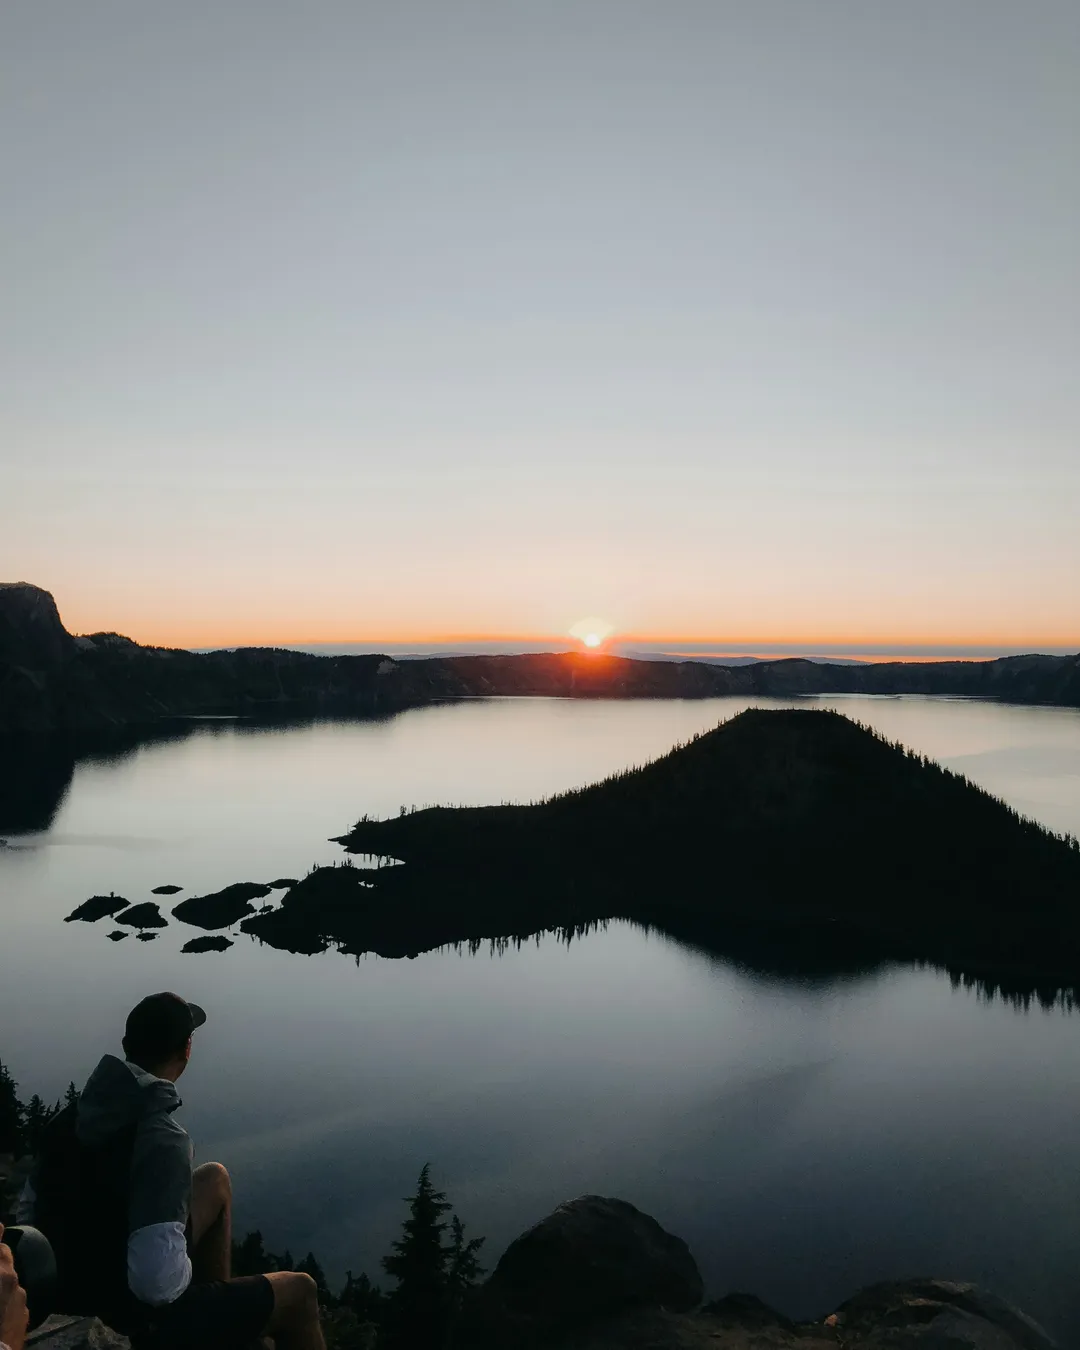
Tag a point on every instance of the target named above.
point(54, 682)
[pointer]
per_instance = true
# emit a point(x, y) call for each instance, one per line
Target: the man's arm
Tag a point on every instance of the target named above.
point(158, 1264)
point(14, 1316)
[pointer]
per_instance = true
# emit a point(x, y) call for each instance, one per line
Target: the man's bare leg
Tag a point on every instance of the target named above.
point(294, 1324)
point(211, 1223)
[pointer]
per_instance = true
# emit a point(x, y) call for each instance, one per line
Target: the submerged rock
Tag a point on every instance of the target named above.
point(222, 908)
point(146, 937)
point(97, 907)
point(117, 935)
point(166, 890)
point(146, 915)
point(207, 944)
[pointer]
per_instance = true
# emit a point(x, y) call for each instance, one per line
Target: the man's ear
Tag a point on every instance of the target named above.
point(187, 1050)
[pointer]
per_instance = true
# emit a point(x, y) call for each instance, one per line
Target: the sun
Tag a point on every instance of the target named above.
point(592, 632)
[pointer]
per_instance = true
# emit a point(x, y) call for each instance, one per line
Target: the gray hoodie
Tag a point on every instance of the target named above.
point(117, 1095)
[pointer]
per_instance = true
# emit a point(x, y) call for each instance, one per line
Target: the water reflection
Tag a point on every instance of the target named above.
point(808, 1120)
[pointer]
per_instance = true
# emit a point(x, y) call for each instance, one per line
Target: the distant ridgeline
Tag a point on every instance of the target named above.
point(795, 838)
point(51, 681)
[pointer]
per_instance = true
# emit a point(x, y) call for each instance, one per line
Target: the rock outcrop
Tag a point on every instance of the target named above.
point(76, 1333)
point(598, 1274)
point(593, 1257)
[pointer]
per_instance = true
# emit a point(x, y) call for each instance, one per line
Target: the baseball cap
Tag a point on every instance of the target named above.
point(161, 1023)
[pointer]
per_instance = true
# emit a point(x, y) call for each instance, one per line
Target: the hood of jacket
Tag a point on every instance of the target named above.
point(118, 1094)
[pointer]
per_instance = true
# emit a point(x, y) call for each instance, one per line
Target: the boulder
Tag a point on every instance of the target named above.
point(593, 1257)
point(75, 1333)
point(935, 1315)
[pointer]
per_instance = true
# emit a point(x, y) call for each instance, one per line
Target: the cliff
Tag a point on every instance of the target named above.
point(51, 682)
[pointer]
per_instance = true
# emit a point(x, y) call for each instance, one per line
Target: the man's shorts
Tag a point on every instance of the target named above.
point(219, 1315)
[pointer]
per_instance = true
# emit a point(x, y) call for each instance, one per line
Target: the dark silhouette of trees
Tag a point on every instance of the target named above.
point(433, 1276)
point(12, 1119)
point(417, 1309)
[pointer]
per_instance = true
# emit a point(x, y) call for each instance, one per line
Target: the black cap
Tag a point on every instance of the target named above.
point(159, 1025)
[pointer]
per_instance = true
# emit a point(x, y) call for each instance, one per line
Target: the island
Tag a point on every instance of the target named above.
point(782, 836)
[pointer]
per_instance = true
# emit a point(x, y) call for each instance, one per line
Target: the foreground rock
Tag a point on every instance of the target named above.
point(592, 1257)
point(76, 1333)
point(222, 908)
point(598, 1274)
point(935, 1315)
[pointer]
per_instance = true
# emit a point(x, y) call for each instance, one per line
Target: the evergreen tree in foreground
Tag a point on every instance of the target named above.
point(433, 1276)
point(418, 1306)
point(12, 1126)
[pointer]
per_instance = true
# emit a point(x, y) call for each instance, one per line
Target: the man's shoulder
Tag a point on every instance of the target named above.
point(162, 1131)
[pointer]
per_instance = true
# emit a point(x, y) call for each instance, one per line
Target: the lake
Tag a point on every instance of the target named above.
point(805, 1137)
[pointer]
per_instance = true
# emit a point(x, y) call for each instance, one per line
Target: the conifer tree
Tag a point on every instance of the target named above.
point(418, 1307)
point(311, 1267)
point(12, 1119)
point(463, 1270)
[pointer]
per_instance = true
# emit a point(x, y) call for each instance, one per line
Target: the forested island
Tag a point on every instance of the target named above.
point(54, 682)
point(785, 835)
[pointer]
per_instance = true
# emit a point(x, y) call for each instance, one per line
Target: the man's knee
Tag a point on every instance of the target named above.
point(295, 1294)
point(307, 1291)
point(214, 1177)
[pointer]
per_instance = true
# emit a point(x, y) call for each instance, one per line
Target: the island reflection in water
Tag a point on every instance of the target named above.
point(806, 1131)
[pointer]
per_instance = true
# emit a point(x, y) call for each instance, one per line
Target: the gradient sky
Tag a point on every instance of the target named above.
point(739, 322)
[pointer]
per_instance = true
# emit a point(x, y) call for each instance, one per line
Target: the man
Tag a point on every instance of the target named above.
point(141, 1239)
point(14, 1316)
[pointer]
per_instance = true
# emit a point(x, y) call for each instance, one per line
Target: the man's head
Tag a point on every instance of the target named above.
point(157, 1036)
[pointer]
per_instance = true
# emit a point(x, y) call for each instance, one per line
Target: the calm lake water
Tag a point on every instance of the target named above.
point(804, 1138)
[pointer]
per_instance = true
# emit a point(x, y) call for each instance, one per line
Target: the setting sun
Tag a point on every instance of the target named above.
point(591, 632)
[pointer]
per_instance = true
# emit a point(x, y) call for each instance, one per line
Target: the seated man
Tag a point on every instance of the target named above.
point(14, 1316)
point(141, 1239)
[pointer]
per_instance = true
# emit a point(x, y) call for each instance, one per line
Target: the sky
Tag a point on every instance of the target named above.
point(754, 326)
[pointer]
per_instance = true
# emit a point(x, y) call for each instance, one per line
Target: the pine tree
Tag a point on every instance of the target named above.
point(463, 1269)
point(365, 1299)
point(71, 1095)
point(12, 1117)
point(38, 1116)
point(250, 1257)
point(418, 1307)
point(311, 1267)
